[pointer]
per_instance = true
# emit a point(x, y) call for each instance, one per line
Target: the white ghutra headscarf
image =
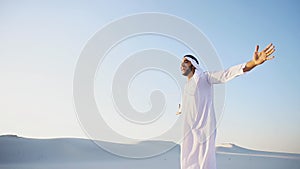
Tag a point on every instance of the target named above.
point(195, 64)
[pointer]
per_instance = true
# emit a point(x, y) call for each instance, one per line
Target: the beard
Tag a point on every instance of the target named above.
point(187, 71)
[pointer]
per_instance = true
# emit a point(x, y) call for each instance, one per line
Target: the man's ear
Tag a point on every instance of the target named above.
point(193, 68)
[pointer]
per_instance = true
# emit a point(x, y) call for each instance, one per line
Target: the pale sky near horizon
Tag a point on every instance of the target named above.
point(40, 43)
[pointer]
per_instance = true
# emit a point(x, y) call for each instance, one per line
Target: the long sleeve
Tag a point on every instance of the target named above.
point(225, 75)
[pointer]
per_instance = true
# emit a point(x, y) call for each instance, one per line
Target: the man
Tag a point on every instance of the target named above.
point(198, 146)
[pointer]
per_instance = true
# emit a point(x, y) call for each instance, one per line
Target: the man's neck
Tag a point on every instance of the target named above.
point(190, 75)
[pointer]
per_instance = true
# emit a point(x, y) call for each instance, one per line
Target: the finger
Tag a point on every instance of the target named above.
point(256, 48)
point(270, 58)
point(267, 47)
point(270, 49)
point(270, 52)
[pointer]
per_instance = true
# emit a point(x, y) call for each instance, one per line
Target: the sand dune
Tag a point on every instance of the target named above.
point(228, 148)
point(17, 152)
point(230, 156)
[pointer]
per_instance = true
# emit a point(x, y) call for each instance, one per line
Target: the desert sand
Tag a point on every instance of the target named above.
point(74, 153)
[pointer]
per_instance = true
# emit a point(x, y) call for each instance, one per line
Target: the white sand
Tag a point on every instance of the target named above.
point(230, 156)
point(64, 153)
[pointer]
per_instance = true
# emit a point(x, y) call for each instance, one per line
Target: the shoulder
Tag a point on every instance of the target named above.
point(200, 76)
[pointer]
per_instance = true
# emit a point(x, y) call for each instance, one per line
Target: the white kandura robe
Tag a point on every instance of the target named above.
point(198, 146)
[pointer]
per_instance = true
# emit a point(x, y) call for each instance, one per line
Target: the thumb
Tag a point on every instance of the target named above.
point(256, 49)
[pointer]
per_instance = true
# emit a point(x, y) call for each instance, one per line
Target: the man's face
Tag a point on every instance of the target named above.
point(186, 67)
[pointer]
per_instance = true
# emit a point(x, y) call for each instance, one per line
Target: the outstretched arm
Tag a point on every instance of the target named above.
point(234, 71)
point(260, 57)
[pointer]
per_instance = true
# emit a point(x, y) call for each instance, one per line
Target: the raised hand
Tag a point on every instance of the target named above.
point(264, 55)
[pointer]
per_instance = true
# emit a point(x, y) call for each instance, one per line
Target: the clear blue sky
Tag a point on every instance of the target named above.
point(40, 43)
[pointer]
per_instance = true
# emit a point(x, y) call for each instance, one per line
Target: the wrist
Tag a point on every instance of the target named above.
point(249, 65)
point(253, 63)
